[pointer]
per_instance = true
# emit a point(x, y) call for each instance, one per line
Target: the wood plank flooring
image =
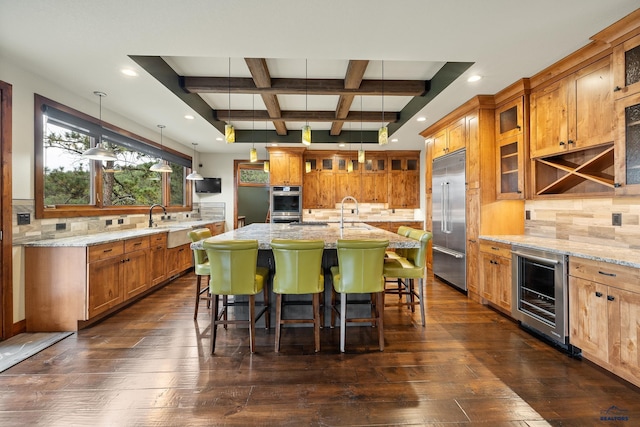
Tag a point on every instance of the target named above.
point(148, 365)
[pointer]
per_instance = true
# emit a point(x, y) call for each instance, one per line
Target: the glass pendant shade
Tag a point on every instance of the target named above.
point(229, 134)
point(383, 135)
point(360, 156)
point(253, 155)
point(350, 166)
point(306, 135)
point(194, 175)
point(307, 167)
point(98, 152)
point(161, 166)
point(266, 166)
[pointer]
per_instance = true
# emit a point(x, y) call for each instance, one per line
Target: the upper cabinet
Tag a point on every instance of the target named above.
point(575, 112)
point(449, 139)
point(626, 67)
point(286, 166)
point(511, 131)
point(404, 180)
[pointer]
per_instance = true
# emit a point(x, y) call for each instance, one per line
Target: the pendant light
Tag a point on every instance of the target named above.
point(360, 151)
point(161, 166)
point(253, 153)
point(306, 130)
point(229, 130)
point(194, 175)
point(383, 132)
point(98, 152)
point(266, 166)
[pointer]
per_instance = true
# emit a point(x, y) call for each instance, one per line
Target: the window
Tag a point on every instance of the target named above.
point(252, 175)
point(69, 185)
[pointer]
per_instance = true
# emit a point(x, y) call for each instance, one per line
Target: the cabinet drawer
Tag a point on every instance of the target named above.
point(217, 228)
point(614, 275)
point(106, 250)
point(136, 244)
point(499, 249)
point(159, 239)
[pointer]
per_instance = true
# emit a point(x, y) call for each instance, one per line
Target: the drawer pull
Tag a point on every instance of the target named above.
point(494, 248)
point(599, 294)
point(106, 250)
point(137, 244)
point(606, 274)
point(610, 298)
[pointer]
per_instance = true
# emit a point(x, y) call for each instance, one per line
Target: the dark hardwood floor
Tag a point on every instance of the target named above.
point(149, 365)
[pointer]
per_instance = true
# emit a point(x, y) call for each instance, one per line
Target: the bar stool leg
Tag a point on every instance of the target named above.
point(380, 318)
point(421, 293)
point(252, 323)
point(316, 320)
point(343, 321)
point(278, 320)
point(214, 320)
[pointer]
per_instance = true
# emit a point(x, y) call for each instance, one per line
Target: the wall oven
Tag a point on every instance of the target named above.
point(540, 293)
point(286, 204)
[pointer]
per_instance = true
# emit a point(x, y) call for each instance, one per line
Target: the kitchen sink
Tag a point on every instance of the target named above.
point(177, 235)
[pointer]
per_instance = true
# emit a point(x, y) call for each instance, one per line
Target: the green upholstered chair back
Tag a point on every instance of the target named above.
point(233, 267)
point(404, 230)
point(199, 255)
point(418, 256)
point(298, 266)
point(360, 265)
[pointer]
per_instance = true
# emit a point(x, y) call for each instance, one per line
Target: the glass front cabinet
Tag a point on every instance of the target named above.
point(510, 150)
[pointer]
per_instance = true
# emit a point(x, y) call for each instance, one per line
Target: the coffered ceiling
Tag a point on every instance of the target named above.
point(289, 61)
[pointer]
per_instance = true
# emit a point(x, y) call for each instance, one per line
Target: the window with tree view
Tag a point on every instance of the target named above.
point(70, 180)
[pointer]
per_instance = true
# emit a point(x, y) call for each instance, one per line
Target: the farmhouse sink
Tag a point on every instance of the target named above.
point(177, 235)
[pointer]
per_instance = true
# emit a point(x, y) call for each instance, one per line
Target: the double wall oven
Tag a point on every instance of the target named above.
point(540, 293)
point(286, 204)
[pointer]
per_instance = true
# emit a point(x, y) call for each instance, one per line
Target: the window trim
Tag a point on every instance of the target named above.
point(69, 211)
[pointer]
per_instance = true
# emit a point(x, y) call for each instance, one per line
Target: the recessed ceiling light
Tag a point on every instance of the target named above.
point(394, 140)
point(129, 72)
point(189, 117)
point(219, 139)
point(340, 145)
point(274, 145)
point(421, 119)
point(474, 78)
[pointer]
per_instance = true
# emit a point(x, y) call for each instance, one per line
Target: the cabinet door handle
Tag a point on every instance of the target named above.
point(617, 89)
point(571, 141)
point(610, 298)
point(598, 294)
point(561, 143)
point(606, 274)
point(472, 240)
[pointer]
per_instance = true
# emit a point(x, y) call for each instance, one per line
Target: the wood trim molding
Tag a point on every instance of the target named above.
point(6, 267)
point(479, 102)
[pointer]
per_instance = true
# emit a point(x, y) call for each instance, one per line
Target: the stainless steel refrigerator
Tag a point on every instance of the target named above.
point(449, 219)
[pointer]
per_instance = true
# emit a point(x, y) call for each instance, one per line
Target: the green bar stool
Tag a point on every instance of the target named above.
point(234, 272)
point(298, 266)
point(404, 231)
point(406, 269)
point(360, 271)
point(201, 267)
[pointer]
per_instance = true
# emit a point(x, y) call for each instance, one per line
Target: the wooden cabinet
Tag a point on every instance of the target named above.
point(473, 244)
point(627, 146)
point(157, 258)
point(495, 274)
point(374, 182)
point(318, 188)
point(510, 136)
point(450, 139)
point(285, 166)
point(604, 315)
point(216, 228)
point(404, 180)
point(626, 68)
point(346, 181)
point(135, 266)
point(573, 113)
point(178, 259)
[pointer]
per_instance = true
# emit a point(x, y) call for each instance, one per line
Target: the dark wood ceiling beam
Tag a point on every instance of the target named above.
point(245, 85)
point(262, 79)
point(303, 116)
point(352, 80)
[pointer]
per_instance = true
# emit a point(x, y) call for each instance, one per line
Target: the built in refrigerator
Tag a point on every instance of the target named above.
point(449, 219)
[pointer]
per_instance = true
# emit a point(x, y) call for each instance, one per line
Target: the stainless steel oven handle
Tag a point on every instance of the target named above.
point(536, 258)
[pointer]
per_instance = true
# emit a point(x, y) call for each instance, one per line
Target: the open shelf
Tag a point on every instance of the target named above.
point(585, 172)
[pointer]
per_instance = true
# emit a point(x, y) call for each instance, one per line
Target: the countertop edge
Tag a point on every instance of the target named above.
point(596, 252)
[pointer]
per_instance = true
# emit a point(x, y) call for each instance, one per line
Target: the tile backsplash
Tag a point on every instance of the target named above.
point(39, 229)
point(586, 220)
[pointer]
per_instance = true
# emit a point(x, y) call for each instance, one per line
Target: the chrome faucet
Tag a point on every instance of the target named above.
point(151, 209)
point(342, 209)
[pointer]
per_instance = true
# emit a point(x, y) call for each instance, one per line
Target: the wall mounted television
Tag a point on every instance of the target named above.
point(209, 185)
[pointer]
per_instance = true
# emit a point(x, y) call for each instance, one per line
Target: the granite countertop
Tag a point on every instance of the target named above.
point(594, 251)
point(114, 236)
point(330, 233)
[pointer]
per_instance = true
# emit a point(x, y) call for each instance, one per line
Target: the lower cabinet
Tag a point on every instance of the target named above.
point(77, 284)
point(495, 274)
point(604, 315)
